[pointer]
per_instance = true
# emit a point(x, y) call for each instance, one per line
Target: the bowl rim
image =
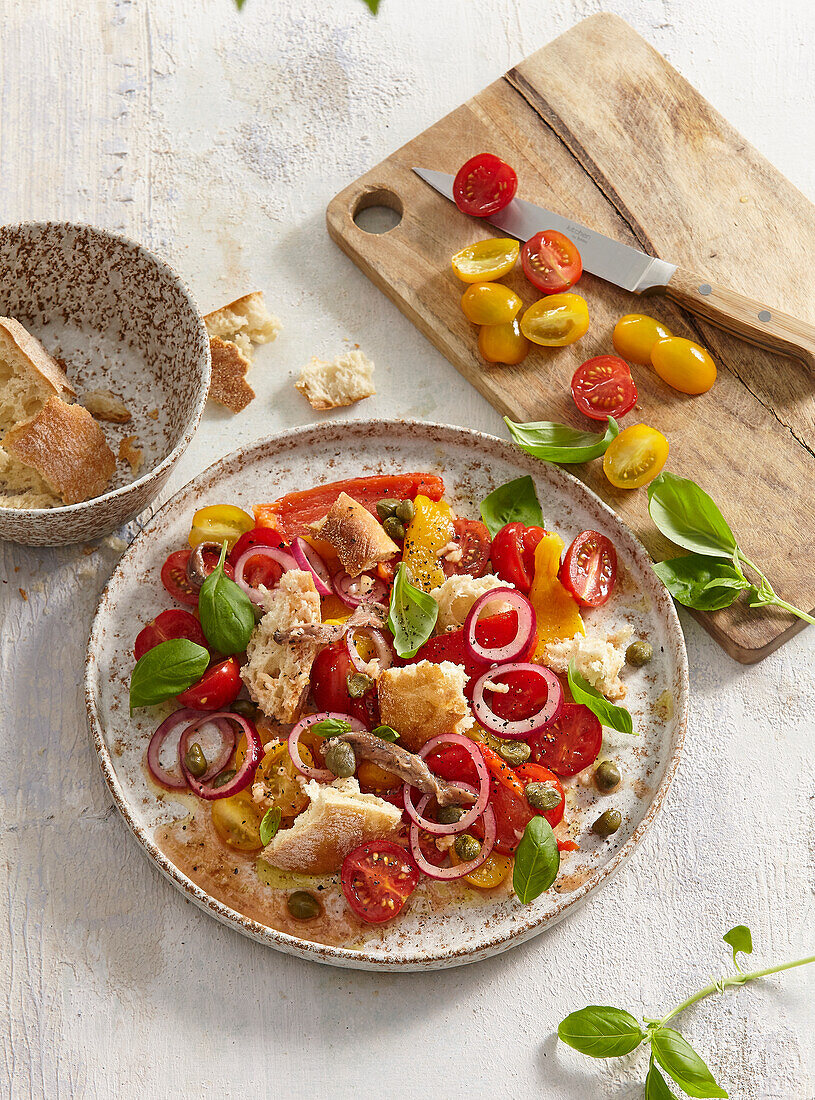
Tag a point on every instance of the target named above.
point(197, 409)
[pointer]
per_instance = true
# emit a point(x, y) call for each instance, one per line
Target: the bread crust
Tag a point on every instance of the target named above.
point(39, 361)
point(229, 366)
point(356, 535)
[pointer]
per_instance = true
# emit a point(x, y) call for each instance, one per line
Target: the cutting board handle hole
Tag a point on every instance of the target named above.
point(377, 210)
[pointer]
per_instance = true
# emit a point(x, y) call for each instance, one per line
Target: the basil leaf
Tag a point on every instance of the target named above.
point(686, 515)
point(560, 443)
point(270, 824)
point(412, 615)
point(387, 733)
point(373, 5)
point(226, 613)
point(166, 670)
point(516, 501)
point(740, 939)
point(616, 718)
point(701, 582)
point(600, 1030)
point(537, 860)
point(331, 727)
point(656, 1087)
point(680, 1061)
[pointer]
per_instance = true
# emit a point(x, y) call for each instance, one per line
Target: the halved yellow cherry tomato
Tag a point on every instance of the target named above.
point(635, 457)
point(490, 304)
point(634, 336)
point(237, 822)
point(684, 365)
point(371, 775)
point(486, 259)
point(490, 874)
point(503, 343)
point(279, 777)
point(218, 522)
point(557, 320)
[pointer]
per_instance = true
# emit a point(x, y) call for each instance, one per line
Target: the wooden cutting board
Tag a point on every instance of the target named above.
point(600, 128)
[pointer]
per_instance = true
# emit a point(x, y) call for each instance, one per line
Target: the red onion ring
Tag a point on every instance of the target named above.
point(171, 781)
point(483, 791)
point(460, 869)
point(309, 560)
point(384, 653)
point(224, 752)
point(322, 775)
point(524, 634)
point(347, 588)
point(283, 559)
point(245, 773)
point(521, 728)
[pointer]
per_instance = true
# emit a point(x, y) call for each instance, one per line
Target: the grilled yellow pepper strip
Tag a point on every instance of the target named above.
point(428, 532)
point(556, 609)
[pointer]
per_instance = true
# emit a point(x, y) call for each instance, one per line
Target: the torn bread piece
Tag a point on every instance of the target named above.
point(598, 658)
point(131, 454)
point(424, 700)
point(66, 447)
point(244, 322)
point(105, 405)
point(29, 376)
point(229, 366)
point(22, 487)
point(355, 534)
point(457, 595)
point(331, 385)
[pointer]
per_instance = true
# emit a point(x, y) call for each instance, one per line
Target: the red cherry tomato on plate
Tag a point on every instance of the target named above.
point(527, 693)
point(484, 185)
point(551, 262)
point(603, 387)
point(571, 743)
point(329, 685)
point(219, 687)
point(453, 763)
point(174, 574)
point(512, 815)
point(473, 540)
point(167, 625)
point(513, 554)
point(377, 879)
point(536, 773)
point(589, 569)
point(258, 536)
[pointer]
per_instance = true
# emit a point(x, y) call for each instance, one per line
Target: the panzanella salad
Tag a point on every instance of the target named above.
point(372, 692)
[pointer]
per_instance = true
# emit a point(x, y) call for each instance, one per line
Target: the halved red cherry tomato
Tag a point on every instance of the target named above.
point(571, 743)
point(536, 773)
point(453, 763)
point(551, 262)
point(174, 574)
point(377, 879)
point(513, 554)
point(603, 387)
point(527, 694)
point(473, 540)
point(484, 185)
point(512, 815)
point(173, 623)
point(329, 685)
point(589, 569)
point(492, 632)
point(258, 536)
point(217, 688)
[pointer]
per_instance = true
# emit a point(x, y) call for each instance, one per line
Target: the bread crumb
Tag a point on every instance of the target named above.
point(349, 378)
point(104, 405)
point(598, 658)
point(153, 414)
point(131, 454)
point(22, 592)
point(457, 595)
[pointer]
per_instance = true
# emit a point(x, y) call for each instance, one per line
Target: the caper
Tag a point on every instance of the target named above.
point(639, 653)
point(385, 508)
point(245, 708)
point(542, 796)
point(303, 905)
point(449, 815)
point(340, 759)
point(223, 778)
point(393, 527)
point(607, 823)
point(195, 761)
point(359, 684)
point(405, 512)
point(467, 847)
point(606, 776)
point(514, 752)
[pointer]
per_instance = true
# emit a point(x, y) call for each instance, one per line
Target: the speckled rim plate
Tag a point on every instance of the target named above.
point(472, 463)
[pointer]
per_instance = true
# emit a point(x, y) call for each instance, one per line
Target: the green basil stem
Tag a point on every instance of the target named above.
point(767, 588)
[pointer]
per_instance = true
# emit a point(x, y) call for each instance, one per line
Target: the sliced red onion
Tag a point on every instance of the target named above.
point(459, 870)
point(322, 775)
point(225, 749)
point(384, 652)
point(283, 559)
point(523, 636)
point(173, 781)
point(309, 560)
point(353, 590)
point(522, 728)
point(245, 773)
point(483, 791)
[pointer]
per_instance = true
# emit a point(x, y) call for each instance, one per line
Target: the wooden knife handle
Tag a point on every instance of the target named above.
point(743, 317)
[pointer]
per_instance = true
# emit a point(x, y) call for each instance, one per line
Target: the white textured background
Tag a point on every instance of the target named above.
point(217, 139)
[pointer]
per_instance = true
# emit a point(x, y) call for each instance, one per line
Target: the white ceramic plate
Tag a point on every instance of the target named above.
point(472, 465)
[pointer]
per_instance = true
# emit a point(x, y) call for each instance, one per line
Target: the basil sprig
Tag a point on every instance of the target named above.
point(385, 733)
point(537, 860)
point(516, 501)
point(226, 613)
point(412, 614)
point(686, 515)
point(616, 718)
point(270, 824)
point(166, 670)
point(559, 443)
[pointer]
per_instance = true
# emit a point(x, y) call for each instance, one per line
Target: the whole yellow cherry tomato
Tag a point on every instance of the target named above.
point(684, 365)
point(634, 336)
point(237, 822)
point(486, 259)
point(490, 304)
point(635, 457)
point(503, 343)
point(557, 320)
point(218, 522)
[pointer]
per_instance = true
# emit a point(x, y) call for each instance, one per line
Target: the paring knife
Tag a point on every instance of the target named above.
point(641, 274)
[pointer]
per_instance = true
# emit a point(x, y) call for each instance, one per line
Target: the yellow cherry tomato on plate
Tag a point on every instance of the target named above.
point(490, 874)
point(684, 365)
point(486, 260)
point(237, 822)
point(490, 304)
point(635, 457)
point(503, 343)
point(634, 336)
point(557, 320)
point(279, 777)
point(218, 522)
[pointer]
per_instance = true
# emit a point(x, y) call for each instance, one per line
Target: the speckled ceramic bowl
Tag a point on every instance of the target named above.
point(121, 320)
point(472, 464)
